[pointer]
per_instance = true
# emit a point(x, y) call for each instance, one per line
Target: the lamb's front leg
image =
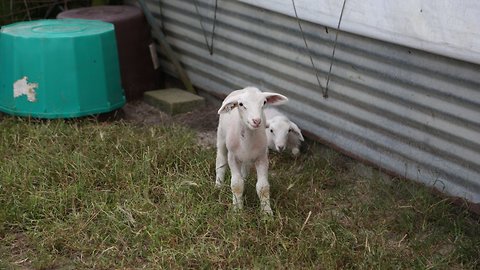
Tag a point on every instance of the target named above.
point(237, 182)
point(294, 143)
point(263, 187)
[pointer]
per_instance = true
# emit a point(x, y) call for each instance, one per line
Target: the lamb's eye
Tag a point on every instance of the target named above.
point(265, 102)
point(271, 130)
point(290, 130)
point(240, 104)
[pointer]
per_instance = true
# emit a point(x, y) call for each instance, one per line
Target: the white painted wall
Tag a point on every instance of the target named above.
point(445, 27)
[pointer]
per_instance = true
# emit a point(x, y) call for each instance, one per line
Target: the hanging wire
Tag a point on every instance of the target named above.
point(209, 45)
point(334, 46)
point(324, 92)
point(162, 21)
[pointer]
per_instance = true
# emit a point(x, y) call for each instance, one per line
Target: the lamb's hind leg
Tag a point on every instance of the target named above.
point(245, 169)
point(221, 163)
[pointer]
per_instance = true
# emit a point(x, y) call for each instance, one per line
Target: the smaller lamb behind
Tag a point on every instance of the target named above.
point(281, 132)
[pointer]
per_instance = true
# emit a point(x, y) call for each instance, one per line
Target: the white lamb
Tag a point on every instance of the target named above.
point(281, 132)
point(241, 141)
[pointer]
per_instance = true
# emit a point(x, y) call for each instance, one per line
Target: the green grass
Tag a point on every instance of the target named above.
point(111, 195)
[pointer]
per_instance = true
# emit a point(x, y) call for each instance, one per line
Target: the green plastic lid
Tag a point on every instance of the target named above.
point(59, 68)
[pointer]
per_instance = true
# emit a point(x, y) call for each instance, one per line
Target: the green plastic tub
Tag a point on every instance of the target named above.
point(59, 69)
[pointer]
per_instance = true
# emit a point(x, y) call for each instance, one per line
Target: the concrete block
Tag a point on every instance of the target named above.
point(173, 101)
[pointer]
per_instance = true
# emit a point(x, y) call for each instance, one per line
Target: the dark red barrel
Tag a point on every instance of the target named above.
point(134, 43)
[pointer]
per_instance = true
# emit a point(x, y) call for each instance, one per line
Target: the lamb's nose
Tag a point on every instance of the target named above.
point(281, 148)
point(257, 121)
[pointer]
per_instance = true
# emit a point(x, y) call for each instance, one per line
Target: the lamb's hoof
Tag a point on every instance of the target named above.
point(237, 207)
point(267, 210)
point(218, 184)
point(237, 203)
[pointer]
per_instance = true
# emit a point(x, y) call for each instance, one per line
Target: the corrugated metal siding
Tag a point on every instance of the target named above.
point(407, 111)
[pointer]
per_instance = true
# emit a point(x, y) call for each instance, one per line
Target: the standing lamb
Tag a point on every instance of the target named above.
point(241, 141)
point(282, 133)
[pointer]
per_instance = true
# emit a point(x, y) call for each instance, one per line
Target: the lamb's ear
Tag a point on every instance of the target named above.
point(297, 131)
point(231, 101)
point(275, 99)
point(228, 104)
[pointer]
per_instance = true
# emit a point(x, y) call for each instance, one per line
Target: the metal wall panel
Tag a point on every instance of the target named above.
point(409, 112)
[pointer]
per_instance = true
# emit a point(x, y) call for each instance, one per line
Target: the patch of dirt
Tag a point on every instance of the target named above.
point(141, 113)
point(204, 120)
point(19, 251)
